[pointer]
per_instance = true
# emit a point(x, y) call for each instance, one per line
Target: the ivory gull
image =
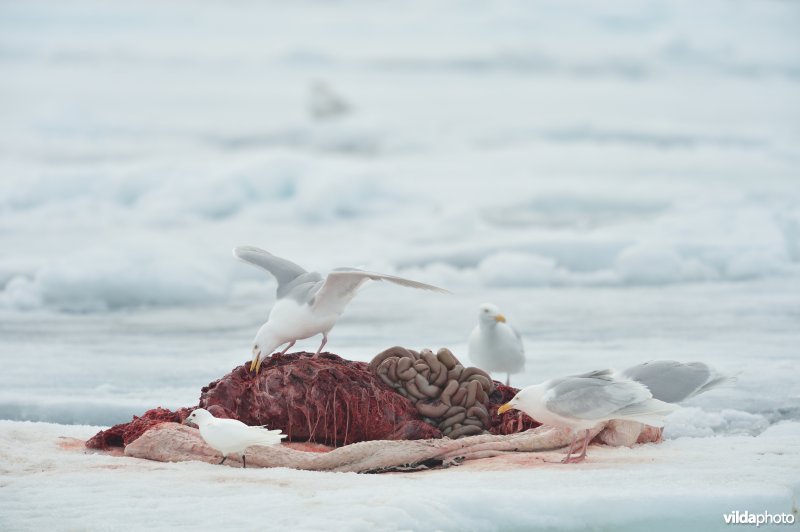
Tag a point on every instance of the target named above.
point(231, 435)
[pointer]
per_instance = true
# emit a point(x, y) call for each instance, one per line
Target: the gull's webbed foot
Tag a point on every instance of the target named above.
point(569, 459)
point(573, 459)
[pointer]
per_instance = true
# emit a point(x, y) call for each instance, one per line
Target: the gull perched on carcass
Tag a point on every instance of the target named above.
point(580, 402)
point(494, 345)
point(231, 435)
point(307, 304)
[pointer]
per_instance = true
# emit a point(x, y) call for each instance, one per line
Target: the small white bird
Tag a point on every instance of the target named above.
point(580, 402)
point(307, 304)
point(494, 345)
point(231, 435)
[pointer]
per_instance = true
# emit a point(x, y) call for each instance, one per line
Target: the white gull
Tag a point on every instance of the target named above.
point(494, 345)
point(231, 435)
point(580, 402)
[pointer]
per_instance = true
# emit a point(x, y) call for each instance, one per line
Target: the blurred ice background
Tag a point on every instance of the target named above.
point(622, 180)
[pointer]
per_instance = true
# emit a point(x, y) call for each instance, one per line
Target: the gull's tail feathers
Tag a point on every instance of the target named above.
point(260, 435)
point(649, 412)
point(718, 380)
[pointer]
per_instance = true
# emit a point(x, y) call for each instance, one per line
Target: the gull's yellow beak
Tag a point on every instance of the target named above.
point(255, 363)
point(505, 408)
point(500, 317)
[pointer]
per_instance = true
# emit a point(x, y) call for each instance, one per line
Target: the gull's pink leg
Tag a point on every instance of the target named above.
point(519, 421)
point(324, 341)
point(581, 457)
point(288, 347)
point(508, 379)
point(585, 445)
point(566, 459)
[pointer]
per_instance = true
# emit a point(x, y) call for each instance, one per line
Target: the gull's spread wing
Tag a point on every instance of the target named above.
point(342, 285)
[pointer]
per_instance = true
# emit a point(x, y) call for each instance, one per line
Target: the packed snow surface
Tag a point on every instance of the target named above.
point(682, 484)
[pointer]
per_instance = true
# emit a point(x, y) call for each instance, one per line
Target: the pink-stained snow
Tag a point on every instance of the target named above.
point(50, 481)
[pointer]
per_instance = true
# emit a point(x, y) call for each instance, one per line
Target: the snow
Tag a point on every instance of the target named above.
point(508, 268)
point(622, 180)
point(98, 279)
point(686, 483)
point(593, 159)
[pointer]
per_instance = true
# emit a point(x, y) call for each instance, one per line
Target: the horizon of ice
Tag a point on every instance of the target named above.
point(590, 167)
point(529, 244)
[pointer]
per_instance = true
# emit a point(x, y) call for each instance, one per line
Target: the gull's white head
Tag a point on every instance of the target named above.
point(489, 314)
point(264, 343)
point(256, 349)
point(198, 417)
point(521, 401)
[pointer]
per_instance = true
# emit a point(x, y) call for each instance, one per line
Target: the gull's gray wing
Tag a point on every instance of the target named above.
point(673, 382)
point(341, 286)
point(594, 395)
point(288, 274)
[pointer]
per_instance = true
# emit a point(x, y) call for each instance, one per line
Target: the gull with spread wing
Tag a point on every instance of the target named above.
point(307, 303)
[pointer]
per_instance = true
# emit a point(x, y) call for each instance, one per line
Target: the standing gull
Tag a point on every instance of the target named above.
point(494, 345)
point(307, 304)
point(673, 382)
point(669, 381)
point(580, 402)
point(231, 435)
